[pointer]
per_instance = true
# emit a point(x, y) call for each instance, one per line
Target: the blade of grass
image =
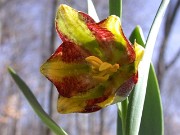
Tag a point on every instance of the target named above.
point(35, 104)
point(136, 103)
point(92, 11)
point(152, 116)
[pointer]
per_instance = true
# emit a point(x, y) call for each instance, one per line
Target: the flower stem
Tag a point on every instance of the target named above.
point(115, 8)
point(124, 106)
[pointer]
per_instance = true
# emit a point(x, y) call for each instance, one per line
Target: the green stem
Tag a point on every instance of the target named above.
point(119, 122)
point(115, 8)
point(121, 118)
point(124, 105)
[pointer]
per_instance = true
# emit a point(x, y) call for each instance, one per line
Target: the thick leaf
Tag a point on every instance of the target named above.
point(35, 105)
point(92, 10)
point(152, 117)
point(136, 103)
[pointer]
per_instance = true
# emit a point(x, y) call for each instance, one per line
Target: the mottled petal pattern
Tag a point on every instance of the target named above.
point(95, 66)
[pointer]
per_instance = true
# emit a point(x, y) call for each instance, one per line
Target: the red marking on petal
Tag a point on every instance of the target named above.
point(70, 86)
point(91, 104)
point(104, 37)
point(106, 41)
point(89, 109)
point(57, 54)
point(131, 53)
point(127, 86)
point(63, 37)
point(136, 78)
point(101, 34)
point(86, 18)
point(130, 49)
point(73, 85)
point(70, 52)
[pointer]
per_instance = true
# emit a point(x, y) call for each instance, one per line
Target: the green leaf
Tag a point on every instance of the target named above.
point(136, 103)
point(137, 35)
point(152, 117)
point(115, 8)
point(35, 105)
point(92, 10)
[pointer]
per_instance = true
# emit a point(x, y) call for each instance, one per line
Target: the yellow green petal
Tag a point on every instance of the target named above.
point(70, 105)
point(139, 50)
point(70, 24)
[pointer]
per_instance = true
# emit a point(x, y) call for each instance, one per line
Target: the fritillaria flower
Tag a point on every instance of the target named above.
point(95, 66)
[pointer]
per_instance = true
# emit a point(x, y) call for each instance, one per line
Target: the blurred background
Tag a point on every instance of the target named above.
point(28, 38)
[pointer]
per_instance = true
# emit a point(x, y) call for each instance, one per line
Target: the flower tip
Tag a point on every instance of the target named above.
point(63, 8)
point(42, 69)
point(139, 53)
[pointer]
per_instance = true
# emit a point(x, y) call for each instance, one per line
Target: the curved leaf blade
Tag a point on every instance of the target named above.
point(138, 96)
point(152, 117)
point(137, 35)
point(35, 105)
point(152, 120)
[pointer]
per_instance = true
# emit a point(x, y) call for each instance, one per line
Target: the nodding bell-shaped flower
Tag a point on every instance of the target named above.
point(95, 66)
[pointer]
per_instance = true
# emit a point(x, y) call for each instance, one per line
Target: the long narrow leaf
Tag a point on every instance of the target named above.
point(35, 105)
point(137, 100)
point(152, 117)
point(92, 10)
